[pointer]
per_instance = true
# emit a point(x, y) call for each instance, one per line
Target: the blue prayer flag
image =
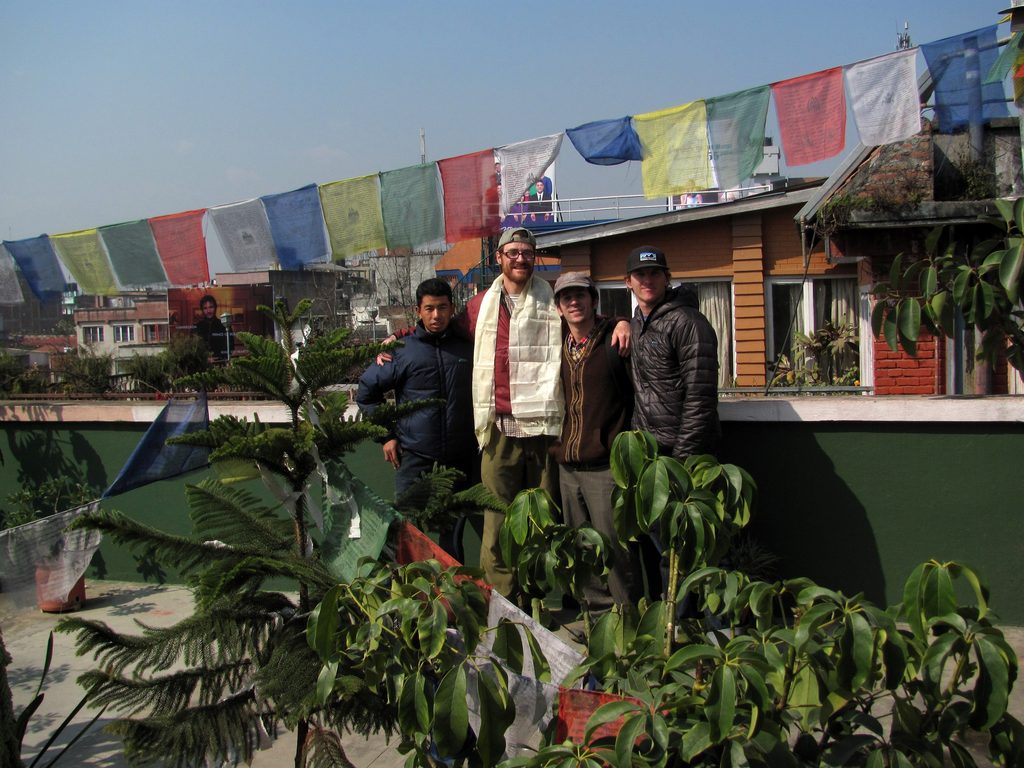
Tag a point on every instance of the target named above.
point(958, 65)
point(606, 142)
point(297, 226)
point(37, 261)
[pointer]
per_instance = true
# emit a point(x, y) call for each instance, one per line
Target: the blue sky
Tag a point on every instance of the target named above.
point(115, 111)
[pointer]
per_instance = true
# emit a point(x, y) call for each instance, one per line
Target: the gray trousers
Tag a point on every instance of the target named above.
point(587, 500)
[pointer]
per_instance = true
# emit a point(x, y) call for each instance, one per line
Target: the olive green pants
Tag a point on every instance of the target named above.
point(508, 466)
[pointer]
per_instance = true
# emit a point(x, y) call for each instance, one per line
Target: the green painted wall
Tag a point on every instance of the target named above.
point(852, 505)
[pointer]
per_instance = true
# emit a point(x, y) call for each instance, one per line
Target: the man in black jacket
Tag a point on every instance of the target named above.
point(674, 360)
point(433, 363)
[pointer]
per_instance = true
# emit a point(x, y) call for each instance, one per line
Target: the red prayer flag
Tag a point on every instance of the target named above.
point(415, 546)
point(182, 247)
point(470, 196)
point(812, 116)
point(574, 710)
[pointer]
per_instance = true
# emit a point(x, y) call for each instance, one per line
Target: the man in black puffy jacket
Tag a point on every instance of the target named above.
point(434, 362)
point(674, 360)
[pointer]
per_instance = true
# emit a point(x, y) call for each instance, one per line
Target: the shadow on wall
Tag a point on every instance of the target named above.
point(806, 513)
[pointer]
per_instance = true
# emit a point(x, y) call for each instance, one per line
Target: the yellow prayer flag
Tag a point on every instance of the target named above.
point(353, 215)
point(83, 255)
point(675, 149)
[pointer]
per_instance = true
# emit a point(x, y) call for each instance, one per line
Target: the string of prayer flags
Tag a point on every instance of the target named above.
point(736, 133)
point(182, 247)
point(38, 263)
point(83, 255)
point(10, 288)
point(957, 65)
point(812, 116)
point(412, 207)
point(522, 163)
point(470, 196)
point(675, 149)
point(133, 255)
point(297, 226)
point(353, 215)
point(244, 234)
point(607, 142)
point(884, 98)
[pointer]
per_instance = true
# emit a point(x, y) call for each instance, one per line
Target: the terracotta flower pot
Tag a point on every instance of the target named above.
point(73, 602)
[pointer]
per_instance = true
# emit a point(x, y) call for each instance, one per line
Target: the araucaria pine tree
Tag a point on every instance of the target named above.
point(212, 687)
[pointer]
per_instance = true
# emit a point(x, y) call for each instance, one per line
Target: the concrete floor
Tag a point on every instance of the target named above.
point(119, 604)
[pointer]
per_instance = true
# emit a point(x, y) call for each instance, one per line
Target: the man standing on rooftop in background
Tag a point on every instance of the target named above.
point(598, 406)
point(674, 360)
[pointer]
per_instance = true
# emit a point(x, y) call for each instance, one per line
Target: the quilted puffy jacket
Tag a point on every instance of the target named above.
point(428, 366)
point(675, 373)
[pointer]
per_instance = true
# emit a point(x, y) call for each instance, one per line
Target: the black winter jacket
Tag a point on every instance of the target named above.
point(428, 366)
point(675, 373)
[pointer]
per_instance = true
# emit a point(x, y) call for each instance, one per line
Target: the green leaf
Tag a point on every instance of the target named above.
point(629, 455)
point(984, 302)
point(896, 270)
point(431, 629)
point(929, 280)
point(1010, 269)
point(696, 740)
point(908, 317)
point(496, 714)
point(541, 667)
point(942, 310)
point(878, 316)
point(625, 740)
point(890, 331)
point(939, 597)
point(721, 706)
point(931, 241)
point(863, 649)
point(961, 284)
point(842, 751)
point(322, 624)
point(508, 645)
point(422, 705)
point(992, 690)
point(690, 654)
point(451, 713)
point(325, 682)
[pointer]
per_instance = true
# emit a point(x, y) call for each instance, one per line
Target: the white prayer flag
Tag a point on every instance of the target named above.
point(244, 234)
point(884, 98)
point(522, 164)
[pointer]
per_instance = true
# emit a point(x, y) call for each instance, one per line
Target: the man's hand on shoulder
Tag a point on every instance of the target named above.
point(621, 336)
point(385, 357)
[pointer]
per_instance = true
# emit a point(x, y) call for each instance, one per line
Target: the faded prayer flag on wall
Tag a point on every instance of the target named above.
point(812, 116)
point(606, 142)
point(884, 98)
point(244, 234)
point(410, 200)
point(82, 253)
point(353, 216)
point(957, 65)
point(470, 196)
point(297, 226)
point(182, 247)
point(133, 255)
point(10, 288)
point(38, 263)
point(522, 164)
point(675, 147)
point(736, 132)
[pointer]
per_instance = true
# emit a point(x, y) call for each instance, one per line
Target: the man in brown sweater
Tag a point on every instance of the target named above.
point(598, 405)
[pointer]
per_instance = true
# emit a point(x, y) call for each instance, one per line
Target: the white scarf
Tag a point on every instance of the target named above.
point(534, 361)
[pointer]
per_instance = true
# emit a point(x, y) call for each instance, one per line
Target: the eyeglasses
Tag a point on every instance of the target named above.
point(523, 255)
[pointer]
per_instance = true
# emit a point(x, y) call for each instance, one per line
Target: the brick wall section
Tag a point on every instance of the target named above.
point(897, 373)
point(748, 290)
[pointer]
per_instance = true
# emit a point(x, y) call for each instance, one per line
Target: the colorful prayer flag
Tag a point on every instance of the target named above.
point(957, 65)
point(606, 142)
point(244, 234)
point(470, 196)
point(38, 263)
point(182, 247)
point(83, 255)
point(736, 132)
point(411, 204)
point(812, 116)
point(884, 98)
point(10, 288)
point(133, 255)
point(522, 164)
point(353, 216)
point(675, 148)
point(297, 226)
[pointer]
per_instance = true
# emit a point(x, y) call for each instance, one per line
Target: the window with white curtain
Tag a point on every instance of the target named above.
point(805, 307)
